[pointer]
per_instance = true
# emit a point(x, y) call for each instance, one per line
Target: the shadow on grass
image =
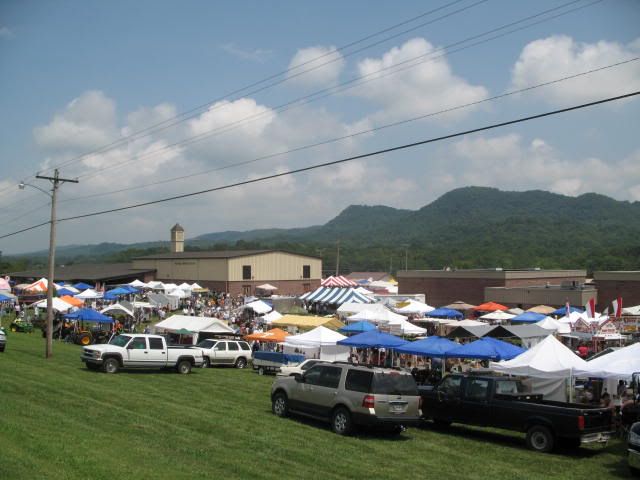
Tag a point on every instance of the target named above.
point(138, 371)
point(361, 432)
point(517, 440)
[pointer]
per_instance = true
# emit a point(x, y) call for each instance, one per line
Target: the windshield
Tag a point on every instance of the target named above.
point(120, 340)
point(394, 384)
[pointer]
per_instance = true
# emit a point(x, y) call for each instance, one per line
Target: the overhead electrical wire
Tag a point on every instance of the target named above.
point(336, 162)
point(371, 76)
point(352, 135)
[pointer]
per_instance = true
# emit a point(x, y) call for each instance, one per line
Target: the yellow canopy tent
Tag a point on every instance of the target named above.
point(307, 322)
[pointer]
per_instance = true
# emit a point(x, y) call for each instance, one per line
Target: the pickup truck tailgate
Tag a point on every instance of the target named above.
point(597, 420)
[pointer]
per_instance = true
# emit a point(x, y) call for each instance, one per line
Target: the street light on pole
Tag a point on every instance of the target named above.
point(55, 183)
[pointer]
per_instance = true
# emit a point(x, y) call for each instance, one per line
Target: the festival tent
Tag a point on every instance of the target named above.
point(528, 317)
point(548, 359)
point(549, 323)
point(176, 292)
point(498, 316)
point(349, 307)
point(155, 285)
point(373, 339)
point(185, 286)
point(162, 300)
point(544, 309)
point(58, 304)
point(363, 291)
point(275, 335)
point(118, 291)
point(70, 288)
point(336, 296)
point(271, 316)
point(195, 286)
point(74, 302)
point(194, 324)
point(88, 294)
point(137, 284)
point(267, 287)
point(116, 309)
point(337, 281)
point(435, 347)
point(5, 298)
point(573, 318)
point(563, 310)
point(404, 327)
point(305, 322)
point(391, 288)
point(413, 306)
point(63, 291)
point(469, 332)
point(358, 327)
point(485, 349)
point(515, 311)
point(490, 307)
point(89, 315)
point(468, 323)
point(318, 343)
point(445, 313)
point(259, 307)
point(38, 286)
point(376, 316)
point(625, 311)
point(529, 335)
point(621, 363)
point(81, 286)
point(460, 305)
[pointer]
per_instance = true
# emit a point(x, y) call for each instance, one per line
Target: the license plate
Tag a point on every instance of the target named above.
point(396, 408)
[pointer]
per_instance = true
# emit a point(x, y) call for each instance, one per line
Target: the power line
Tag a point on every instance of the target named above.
point(353, 135)
point(340, 161)
point(372, 76)
point(190, 113)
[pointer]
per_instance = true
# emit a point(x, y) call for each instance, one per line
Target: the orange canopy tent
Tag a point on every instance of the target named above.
point(76, 302)
point(490, 307)
point(275, 335)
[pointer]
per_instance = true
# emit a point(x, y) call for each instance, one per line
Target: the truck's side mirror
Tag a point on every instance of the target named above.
point(298, 377)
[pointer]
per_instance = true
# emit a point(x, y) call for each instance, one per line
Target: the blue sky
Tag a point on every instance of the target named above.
point(80, 74)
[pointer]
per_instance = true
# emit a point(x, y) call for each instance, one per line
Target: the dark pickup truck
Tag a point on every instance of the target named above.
point(502, 402)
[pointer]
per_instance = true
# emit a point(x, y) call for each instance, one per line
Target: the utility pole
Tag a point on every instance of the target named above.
point(338, 260)
point(55, 183)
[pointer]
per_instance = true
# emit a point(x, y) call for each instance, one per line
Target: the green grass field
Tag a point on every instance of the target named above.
point(60, 421)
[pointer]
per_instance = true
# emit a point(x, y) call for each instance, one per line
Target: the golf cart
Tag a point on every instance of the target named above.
point(21, 325)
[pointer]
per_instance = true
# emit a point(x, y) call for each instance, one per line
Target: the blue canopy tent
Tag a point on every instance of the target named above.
point(373, 339)
point(563, 310)
point(81, 286)
point(358, 327)
point(435, 347)
point(89, 315)
point(528, 317)
point(485, 349)
point(63, 291)
point(130, 289)
point(445, 313)
point(4, 298)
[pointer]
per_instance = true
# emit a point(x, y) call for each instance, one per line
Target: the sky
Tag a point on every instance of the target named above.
point(150, 99)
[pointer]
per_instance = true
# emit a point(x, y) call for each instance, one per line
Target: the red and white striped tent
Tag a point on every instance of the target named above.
point(337, 281)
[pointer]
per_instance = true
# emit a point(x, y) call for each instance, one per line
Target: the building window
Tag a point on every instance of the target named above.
point(306, 271)
point(246, 272)
point(246, 290)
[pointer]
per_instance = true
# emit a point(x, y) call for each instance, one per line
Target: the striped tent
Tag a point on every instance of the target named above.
point(336, 296)
point(337, 281)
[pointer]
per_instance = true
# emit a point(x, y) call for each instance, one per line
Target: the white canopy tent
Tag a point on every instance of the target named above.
point(266, 287)
point(350, 307)
point(178, 293)
point(259, 307)
point(117, 308)
point(404, 327)
point(155, 285)
point(271, 316)
point(497, 316)
point(376, 316)
point(392, 288)
point(363, 291)
point(195, 286)
point(549, 323)
point(89, 294)
point(631, 310)
point(621, 363)
point(184, 286)
point(466, 323)
point(168, 287)
point(318, 343)
point(137, 284)
point(196, 325)
point(414, 306)
point(58, 305)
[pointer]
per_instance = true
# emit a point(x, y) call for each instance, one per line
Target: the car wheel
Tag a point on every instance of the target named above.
point(280, 405)
point(261, 371)
point(241, 363)
point(2, 348)
point(184, 367)
point(111, 365)
point(341, 421)
point(206, 363)
point(540, 439)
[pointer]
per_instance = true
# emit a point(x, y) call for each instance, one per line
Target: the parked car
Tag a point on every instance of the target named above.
point(633, 447)
point(140, 351)
point(348, 395)
point(289, 370)
point(225, 352)
point(272, 362)
point(3, 340)
point(502, 402)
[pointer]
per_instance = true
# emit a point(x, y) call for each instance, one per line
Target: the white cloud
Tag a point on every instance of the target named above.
point(560, 56)
point(259, 55)
point(87, 122)
point(322, 65)
point(6, 32)
point(428, 87)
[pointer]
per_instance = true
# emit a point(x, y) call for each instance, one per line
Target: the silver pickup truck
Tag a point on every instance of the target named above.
point(140, 351)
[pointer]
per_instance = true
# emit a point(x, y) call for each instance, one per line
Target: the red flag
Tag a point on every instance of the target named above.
point(590, 308)
point(617, 307)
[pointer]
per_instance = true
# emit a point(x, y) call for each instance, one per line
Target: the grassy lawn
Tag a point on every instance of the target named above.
point(60, 421)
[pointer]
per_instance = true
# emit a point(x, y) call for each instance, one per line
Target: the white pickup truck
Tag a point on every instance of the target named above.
point(140, 351)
